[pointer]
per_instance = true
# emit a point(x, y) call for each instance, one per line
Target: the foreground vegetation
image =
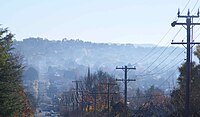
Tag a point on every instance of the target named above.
point(13, 99)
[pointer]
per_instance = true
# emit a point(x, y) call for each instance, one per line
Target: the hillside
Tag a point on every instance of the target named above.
point(75, 56)
point(69, 54)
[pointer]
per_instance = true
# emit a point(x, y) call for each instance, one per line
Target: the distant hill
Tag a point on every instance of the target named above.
point(77, 55)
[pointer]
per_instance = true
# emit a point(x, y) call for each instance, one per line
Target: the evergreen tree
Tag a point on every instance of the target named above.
point(178, 94)
point(13, 100)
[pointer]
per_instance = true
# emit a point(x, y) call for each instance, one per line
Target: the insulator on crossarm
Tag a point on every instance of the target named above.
point(198, 13)
point(188, 12)
point(178, 12)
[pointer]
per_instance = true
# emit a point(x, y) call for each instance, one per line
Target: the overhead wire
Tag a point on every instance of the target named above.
point(167, 79)
point(195, 5)
point(167, 58)
point(163, 60)
point(161, 71)
point(173, 60)
point(162, 51)
point(173, 51)
point(197, 22)
point(147, 55)
point(165, 49)
point(195, 38)
point(185, 6)
point(155, 60)
point(168, 45)
point(159, 43)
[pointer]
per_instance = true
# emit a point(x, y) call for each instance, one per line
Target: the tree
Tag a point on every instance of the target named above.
point(13, 99)
point(152, 103)
point(178, 94)
point(97, 83)
point(94, 88)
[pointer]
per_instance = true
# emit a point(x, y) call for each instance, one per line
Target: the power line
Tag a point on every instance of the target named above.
point(167, 79)
point(148, 96)
point(146, 55)
point(162, 39)
point(162, 51)
point(155, 60)
point(161, 72)
point(188, 23)
point(164, 59)
point(166, 65)
point(150, 52)
point(174, 38)
point(173, 61)
point(194, 5)
point(185, 6)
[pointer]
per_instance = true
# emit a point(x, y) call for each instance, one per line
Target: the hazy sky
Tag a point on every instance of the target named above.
point(116, 21)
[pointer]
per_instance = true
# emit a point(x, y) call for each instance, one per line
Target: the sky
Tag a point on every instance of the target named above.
point(101, 21)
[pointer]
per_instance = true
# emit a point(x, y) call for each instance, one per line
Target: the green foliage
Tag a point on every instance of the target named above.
point(12, 97)
point(178, 94)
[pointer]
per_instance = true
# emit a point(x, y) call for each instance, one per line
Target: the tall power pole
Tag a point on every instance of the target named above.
point(125, 69)
point(188, 25)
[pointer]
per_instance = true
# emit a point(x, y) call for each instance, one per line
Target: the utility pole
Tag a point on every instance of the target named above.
point(82, 102)
point(95, 96)
point(95, 100)
point(82, 98)
point(108, 95)
point(125, 69)
point(77, 90)
point(73, 103)
point(188, 64)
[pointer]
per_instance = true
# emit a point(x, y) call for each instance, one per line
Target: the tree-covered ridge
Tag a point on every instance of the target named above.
point(77, 52)
point(13, 99)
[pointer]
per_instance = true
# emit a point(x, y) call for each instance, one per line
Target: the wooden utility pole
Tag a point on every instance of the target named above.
point(77, 90)
point(108, 95)
point(95, 100)
point(189, 25)
point(125, 69)
point(82, 102)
